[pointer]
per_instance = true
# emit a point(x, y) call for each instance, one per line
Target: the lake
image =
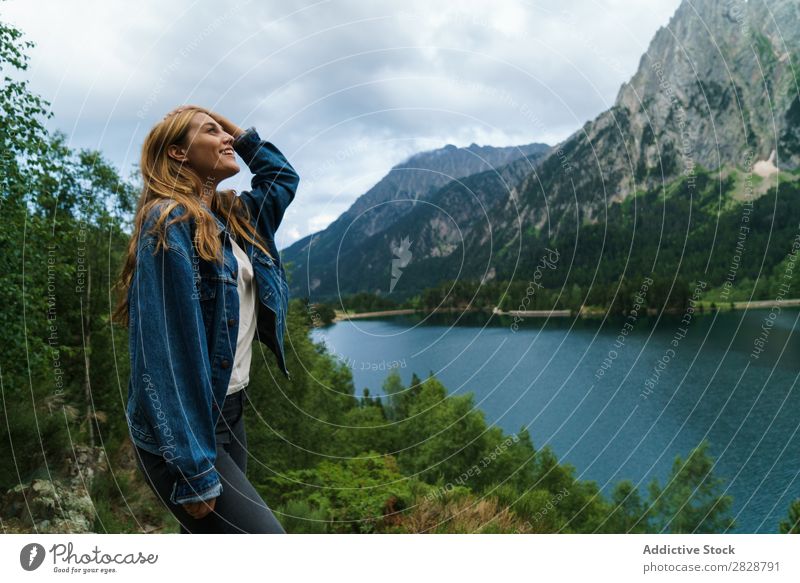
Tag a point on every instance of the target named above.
point(616, 401)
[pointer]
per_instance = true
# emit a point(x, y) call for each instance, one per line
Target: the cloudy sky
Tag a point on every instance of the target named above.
point(345, 88)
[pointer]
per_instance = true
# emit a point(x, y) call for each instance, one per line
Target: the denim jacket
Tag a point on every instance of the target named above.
point(184, 324)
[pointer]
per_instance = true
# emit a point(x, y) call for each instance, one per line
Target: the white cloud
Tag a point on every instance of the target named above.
point(319, 222)
point(347, 88)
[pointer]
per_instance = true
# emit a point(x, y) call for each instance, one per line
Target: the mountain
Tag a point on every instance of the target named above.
point(408, 187)
point(716, 88)
point(714, 92)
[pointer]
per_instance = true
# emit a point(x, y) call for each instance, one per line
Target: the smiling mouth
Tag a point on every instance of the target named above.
point(227, 152)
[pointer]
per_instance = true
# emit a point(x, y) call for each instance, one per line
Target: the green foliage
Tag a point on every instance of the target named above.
point(59, 236)
point(367, 302)
point(790, 140)
point(685, 233)
point(302, 517)
point(791, 525)
point(690, 502)
point(322, 314)
point(628, 512)
point(354, 496)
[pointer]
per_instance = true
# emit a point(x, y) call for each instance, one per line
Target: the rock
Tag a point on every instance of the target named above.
point(59, 505)
point(49, 507)
point(766, 167)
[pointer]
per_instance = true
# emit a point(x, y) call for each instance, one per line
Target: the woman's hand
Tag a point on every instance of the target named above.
point(200, 509)
point(227, 125)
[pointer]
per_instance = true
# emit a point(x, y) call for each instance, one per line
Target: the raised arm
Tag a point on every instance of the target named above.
point(274, 183)
point(170, 366)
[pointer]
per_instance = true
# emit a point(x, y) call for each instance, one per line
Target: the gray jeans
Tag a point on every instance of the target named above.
point(239, 509)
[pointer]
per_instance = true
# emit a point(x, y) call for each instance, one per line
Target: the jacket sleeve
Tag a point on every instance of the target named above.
point(170, 364)
point(274, 183)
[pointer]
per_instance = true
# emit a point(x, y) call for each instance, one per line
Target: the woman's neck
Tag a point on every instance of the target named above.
point(207, 194)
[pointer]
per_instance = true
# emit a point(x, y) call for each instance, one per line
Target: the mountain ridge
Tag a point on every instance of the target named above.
point(408, 183)
point(715, 90)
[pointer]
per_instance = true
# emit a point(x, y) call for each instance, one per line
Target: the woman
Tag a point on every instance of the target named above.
point(201, 279)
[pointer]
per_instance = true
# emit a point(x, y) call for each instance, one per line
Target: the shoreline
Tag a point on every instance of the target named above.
point(584, 312)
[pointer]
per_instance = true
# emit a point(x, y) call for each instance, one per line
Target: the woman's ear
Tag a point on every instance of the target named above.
point(177, 153)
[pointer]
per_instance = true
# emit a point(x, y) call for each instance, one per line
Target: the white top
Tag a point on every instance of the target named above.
point(248, 305)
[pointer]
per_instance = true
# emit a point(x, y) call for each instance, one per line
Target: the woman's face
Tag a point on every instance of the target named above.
point(207, 150)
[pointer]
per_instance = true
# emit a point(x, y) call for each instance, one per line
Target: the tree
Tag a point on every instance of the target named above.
point(32, 377)
point(691, 502)
point(628, 514)
point(60, 248)
point(792, 523)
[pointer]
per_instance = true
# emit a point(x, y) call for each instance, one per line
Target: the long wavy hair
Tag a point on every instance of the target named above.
point(167, 179)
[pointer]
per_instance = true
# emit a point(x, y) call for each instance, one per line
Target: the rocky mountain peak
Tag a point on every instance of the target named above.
point(716, 83)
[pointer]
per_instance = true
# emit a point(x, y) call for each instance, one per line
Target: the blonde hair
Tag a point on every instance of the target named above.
point(167, 179)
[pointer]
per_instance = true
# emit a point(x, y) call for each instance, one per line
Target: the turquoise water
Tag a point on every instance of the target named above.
point(663, 388)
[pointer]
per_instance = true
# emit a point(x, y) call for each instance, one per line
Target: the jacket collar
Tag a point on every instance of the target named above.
point(249, 248)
